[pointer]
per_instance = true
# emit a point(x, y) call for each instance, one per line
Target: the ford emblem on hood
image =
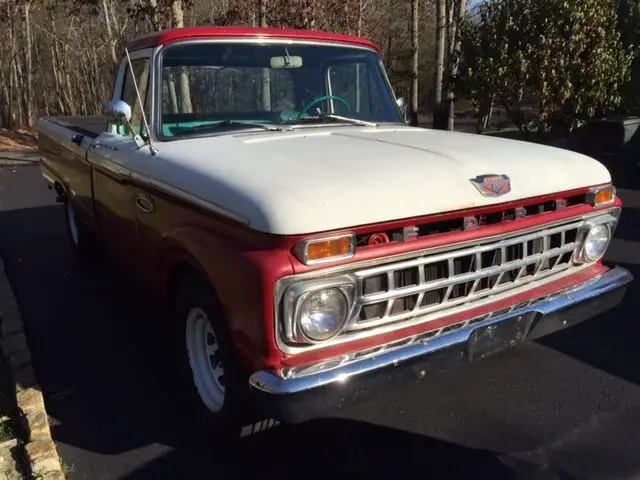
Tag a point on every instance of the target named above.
point(492, 185)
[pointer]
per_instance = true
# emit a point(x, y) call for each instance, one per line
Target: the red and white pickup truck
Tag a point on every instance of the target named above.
point(313, 247)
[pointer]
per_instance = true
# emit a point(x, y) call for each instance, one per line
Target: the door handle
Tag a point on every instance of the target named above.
point(145, 203)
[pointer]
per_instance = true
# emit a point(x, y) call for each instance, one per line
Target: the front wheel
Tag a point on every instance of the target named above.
point(213, 379)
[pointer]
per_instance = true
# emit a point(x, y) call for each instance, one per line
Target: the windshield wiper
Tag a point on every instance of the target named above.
point(338, 118)
point(235, 123)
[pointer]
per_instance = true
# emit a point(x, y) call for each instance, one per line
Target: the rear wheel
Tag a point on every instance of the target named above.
point(211, 373)
point(83, 243)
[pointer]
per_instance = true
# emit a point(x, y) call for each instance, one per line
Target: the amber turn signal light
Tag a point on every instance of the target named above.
point(602, 196)
point(323, 250)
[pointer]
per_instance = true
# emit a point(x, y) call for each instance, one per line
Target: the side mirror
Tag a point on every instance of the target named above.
point(120, 111)
point(404, 109)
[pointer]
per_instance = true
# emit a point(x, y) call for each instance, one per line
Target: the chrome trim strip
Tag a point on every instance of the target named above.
point(187, 197)
point(48, 178)
point(47, 173)
point(269, 382)
point(114, 169)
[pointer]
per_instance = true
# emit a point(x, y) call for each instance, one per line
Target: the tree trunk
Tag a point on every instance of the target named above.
point(12, 85)
point(155, 21)
point(415, 22)
point(56, 81)
point(110, 36)
point(389, 64)
point(439, 120)
point(177, 21)
point(484, 113)
point(266, 76)
point(177, 14)
point(16, 82)
point(114, 18)
point(29, 66)
point(454, 61)
point(173, 96)
point(5, 113)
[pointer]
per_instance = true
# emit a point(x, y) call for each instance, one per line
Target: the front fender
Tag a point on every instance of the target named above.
point(242, 271)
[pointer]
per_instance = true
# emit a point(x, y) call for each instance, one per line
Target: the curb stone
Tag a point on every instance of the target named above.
point(40, 451)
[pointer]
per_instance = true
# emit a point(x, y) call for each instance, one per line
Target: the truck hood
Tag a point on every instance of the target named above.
point(332, 178)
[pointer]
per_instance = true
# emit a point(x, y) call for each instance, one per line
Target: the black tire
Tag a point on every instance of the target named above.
point(83, 242)
point(224, 425)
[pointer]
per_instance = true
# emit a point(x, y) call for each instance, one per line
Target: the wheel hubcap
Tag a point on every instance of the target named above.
point(204, 359)
point(73, 226)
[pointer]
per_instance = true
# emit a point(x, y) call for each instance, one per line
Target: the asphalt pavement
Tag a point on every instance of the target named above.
point(565, 407)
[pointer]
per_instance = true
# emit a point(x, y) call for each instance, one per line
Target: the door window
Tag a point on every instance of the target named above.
point(141, 72)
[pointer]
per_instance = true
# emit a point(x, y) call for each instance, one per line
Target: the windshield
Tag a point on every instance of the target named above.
point(209, 87)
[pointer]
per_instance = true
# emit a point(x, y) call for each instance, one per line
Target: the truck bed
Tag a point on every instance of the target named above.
point(87, 125)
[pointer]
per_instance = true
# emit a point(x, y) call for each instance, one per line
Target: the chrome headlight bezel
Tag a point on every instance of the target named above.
point(610, 221)
point(294, 298)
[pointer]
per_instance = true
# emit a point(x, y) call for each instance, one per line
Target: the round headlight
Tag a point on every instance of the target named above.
point(596, 242)
point(323, 314)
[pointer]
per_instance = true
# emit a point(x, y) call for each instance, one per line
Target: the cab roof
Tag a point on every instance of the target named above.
point(165, 37)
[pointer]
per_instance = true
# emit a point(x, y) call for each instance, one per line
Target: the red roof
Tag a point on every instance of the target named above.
point(165, 37)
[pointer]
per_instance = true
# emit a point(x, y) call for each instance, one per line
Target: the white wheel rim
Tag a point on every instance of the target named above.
point(204, 359)
point(73, 226)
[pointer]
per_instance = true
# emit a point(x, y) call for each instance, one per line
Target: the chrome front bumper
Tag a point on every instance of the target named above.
point(554, 313)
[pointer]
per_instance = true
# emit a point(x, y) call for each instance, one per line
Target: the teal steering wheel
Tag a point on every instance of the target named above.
point(322, 99)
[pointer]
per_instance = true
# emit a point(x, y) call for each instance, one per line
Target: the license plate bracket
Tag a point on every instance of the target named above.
point(491, 339)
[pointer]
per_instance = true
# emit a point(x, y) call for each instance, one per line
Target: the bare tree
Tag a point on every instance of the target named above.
point(155, 22)
point(177, 14)
point(438, 110)
point(29, 65)
point(415, 25)
point(266, 79)
point(458, 8)
point(177, 21)
point(110, 35)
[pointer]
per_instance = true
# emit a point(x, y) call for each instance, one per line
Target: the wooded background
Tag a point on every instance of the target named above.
point(576, 58)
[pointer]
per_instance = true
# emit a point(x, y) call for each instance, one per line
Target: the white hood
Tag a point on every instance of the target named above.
point(330, 178)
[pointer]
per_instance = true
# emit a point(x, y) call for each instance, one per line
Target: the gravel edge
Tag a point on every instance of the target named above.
point(40, 450)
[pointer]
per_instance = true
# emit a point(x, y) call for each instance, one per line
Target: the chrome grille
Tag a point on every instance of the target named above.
point(429, 283)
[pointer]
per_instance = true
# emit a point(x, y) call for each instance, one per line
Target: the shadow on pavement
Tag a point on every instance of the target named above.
point(330, 448)
point(629, 226)
point(608, 342)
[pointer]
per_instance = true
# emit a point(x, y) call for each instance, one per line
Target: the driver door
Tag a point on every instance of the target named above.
point(113, 156)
